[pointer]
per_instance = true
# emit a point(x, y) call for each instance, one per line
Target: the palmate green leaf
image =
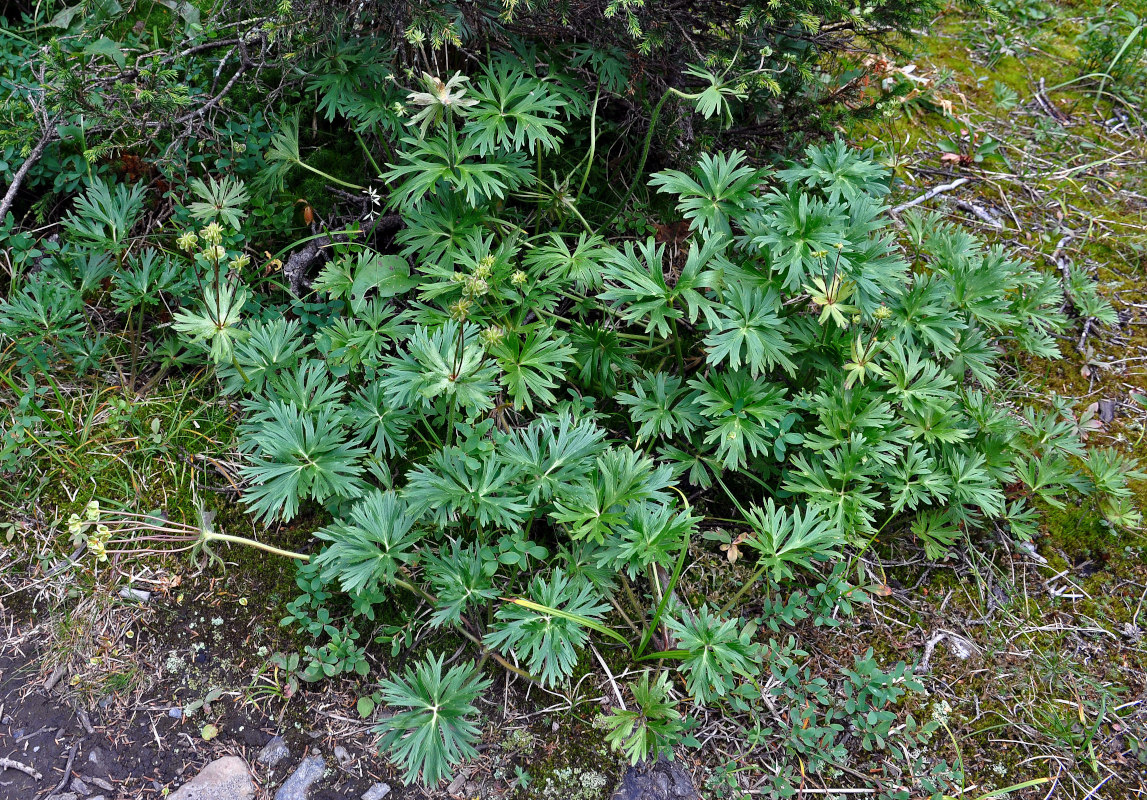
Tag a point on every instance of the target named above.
point(220, 199)
point(739, 410)
point(269, 349)
point(1110, 472)
point(602, 356)
point(149, 277)
point(103, 216)
point(596, 503)
point(652, 728)
point(513, 112)
point(554, 453)
point(786, 538)
point(459, 580)
point(916, 480)
point(721, 189)
point(548, 643)
point(638, 290)
point(367, 550)
point(717, 96)
point(749, 329)
point(660, 406)
point(439, 228)
point(435, 732)
point(1049, 477)
point(296, 456)
point(379, 425)
point(650, 533)
point(216, 325)
point(582, 265)
point(532, 365)
point(364, 337)
point(457, 166)
point(840, 172)
point(936, 532)
point(452, 484)
point(447, 362)
point(801, 233)
point(923, 316)
point(718, 651)
point(348, 72)
point(972, 486)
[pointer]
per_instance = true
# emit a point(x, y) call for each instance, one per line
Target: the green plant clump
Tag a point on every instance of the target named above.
point(520, 421)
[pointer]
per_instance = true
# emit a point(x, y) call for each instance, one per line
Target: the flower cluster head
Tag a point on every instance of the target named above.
point(475, 286)
point(239, 262)
point(439, 99)
point(492, 336)
point(212, 234)
point(187, 241)
point(460, 309)
point(485, 267)
point(98, 541)
point(518, 278)
point(215, 253)
point(882, 313)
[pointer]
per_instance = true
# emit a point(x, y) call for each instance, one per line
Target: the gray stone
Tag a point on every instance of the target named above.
point(224, 778)
point(1106, 410)
point(298, 786)
point(128, 593)
point(98, 797)
point(79, 787)
point(342, 756)
point(273, 752)
point(376, 792)
point(663, 780)
point(63, 796)
point(100, 782)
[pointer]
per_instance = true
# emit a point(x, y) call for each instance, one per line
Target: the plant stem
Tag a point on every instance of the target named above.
point(638, 173)
point(744, 588)
point(211, 536)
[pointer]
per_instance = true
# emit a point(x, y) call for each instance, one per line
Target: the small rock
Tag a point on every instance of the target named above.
point(128, 593)
point(79, 787)
point(663, 780)
point(103, 761)
point(175, 713)
point(273, 752)
point(100, 782)
point(342, 756)
point(224, 778)
point(376, 792)
point(98, 797)
point(297, 786)
point(63, 796)
point(1106, 410)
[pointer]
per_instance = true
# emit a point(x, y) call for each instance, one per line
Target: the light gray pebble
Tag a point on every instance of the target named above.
point(298, 786)
point(376, 792)
point(273, 752)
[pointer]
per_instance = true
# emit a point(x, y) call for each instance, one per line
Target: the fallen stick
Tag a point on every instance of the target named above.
point(7, 763)
point(928, 195)
point(68, 769)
